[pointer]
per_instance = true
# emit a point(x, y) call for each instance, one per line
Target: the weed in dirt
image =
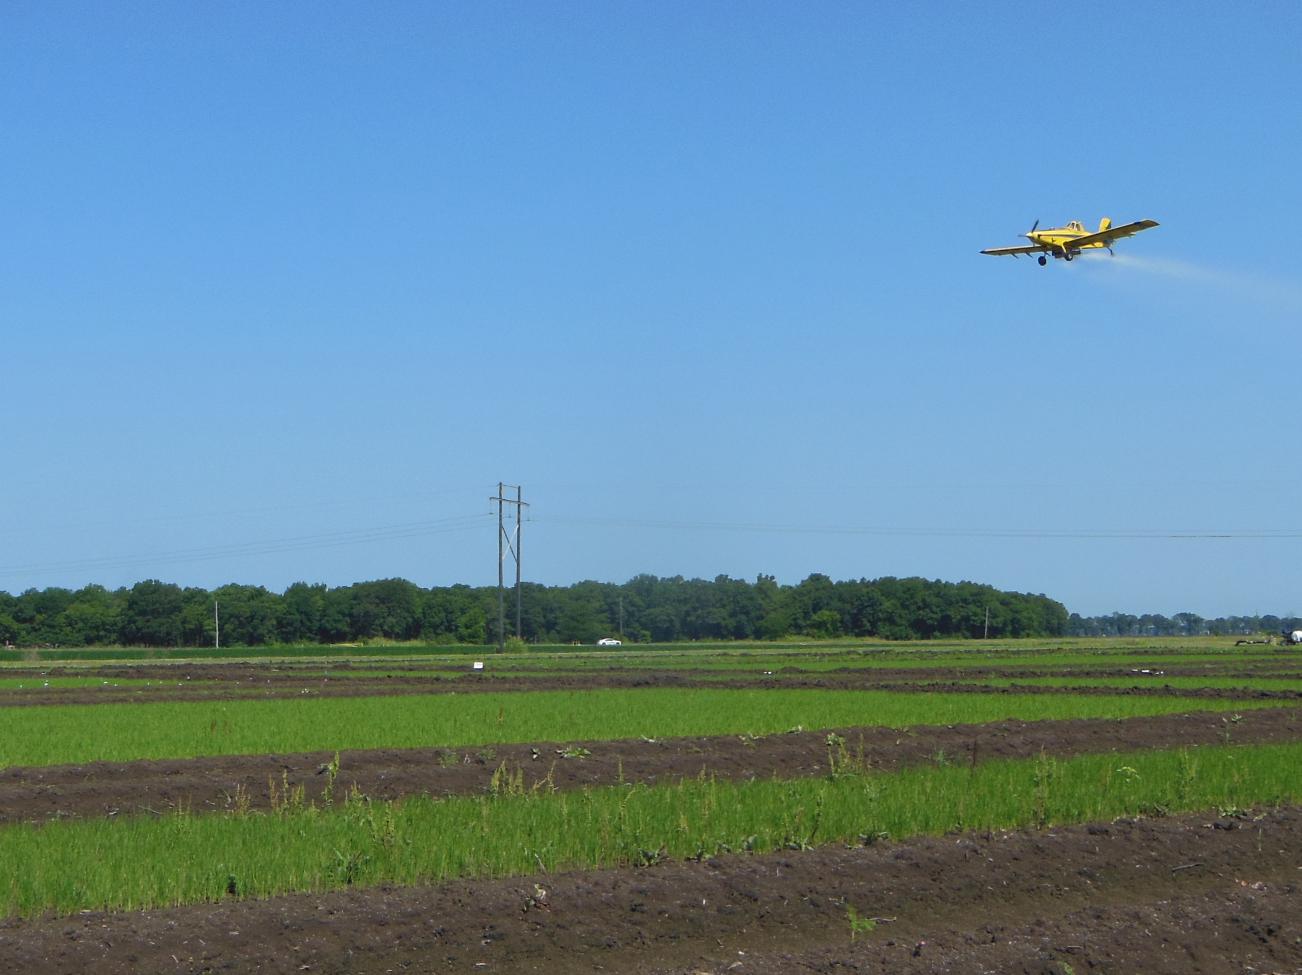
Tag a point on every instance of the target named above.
point(840, 761)
point(1227, 727)
point(649, 858)
point(288, 799)
point(239, 801)
point(449, 758)
point(331, 771)
point(507, 782)
point(859, 925)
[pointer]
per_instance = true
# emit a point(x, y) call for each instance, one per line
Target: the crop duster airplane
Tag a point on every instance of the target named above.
point(1066, 242)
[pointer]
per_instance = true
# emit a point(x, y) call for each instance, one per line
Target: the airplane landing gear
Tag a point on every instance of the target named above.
point(1043, 260)
point(1067, 256)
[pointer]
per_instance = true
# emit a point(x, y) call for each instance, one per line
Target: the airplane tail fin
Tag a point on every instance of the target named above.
point(1105, 224)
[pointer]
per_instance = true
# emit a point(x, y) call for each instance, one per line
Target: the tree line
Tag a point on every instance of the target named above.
point(1181, 624)
point(644, 609)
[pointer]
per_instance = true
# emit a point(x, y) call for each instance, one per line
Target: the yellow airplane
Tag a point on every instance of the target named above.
point(1066, 242)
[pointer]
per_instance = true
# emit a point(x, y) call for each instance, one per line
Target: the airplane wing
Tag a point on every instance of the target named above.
point(1106, 237)
point(1015, 251)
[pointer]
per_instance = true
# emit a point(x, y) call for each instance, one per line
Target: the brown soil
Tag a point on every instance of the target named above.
point(212, 784)
point(1179, 895)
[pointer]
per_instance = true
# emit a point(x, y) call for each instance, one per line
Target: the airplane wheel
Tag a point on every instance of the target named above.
point(1043, 260)
point(1067, 256)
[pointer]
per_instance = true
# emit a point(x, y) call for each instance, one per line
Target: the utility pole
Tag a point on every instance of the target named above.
point(986, 634)
point(505, 544)
point(519, 537)
point(216, 627)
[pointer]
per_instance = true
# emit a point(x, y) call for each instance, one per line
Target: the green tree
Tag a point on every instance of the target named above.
point(151, 616)
point(388, 608)
point(301, 610)
point(336, 606)
point(93, 617)
point(472, 625)
point(824, 624)
point(580, 623)
point(662, 624)
point(248, 615)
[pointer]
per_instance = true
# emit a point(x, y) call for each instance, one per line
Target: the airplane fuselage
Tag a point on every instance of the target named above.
point(1058, 240)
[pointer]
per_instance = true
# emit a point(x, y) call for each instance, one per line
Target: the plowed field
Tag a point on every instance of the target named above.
point(1217, 890)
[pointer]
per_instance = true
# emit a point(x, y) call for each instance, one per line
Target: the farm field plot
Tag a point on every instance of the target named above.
point(571, 816)
point(140, 676)
point(1164, 681)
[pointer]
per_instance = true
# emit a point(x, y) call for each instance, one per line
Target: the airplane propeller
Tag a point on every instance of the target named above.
point(1033, 226)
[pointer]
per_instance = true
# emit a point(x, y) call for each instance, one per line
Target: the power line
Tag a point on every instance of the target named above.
point(961, 532)
point(359, 536)
point(370, 503)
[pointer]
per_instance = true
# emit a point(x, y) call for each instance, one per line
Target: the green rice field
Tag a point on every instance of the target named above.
point(64, 734)
point(146, 862)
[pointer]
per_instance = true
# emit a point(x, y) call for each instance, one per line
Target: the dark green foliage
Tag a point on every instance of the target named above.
point(472, 625)
point(152, 614)
point(661, 610)
point(388, 608)
point(1181, 624)
point(248, 614)
point(302, 608)
point(9, 628)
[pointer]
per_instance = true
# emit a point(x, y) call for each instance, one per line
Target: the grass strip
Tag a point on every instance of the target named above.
point(182, 858)
point(69, 734)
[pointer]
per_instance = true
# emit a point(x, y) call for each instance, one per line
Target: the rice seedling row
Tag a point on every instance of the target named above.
point(124, 732)
point(146, 862)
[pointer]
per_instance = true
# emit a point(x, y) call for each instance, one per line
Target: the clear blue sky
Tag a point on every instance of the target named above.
point(703, 277)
